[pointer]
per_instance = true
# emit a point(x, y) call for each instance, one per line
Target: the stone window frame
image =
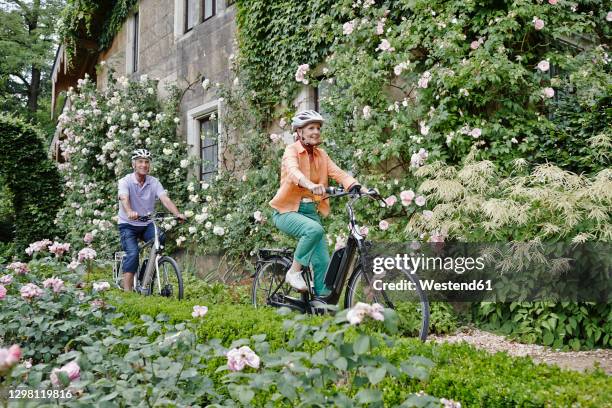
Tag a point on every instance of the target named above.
point(194, 116)
point(132, 51)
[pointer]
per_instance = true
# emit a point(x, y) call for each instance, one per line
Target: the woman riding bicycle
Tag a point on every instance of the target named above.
point(305, 171)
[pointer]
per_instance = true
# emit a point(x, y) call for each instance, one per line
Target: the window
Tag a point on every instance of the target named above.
point(191, 14)
point(209, 147)
point(209, 9)
point(135, 43)
point(321, 92)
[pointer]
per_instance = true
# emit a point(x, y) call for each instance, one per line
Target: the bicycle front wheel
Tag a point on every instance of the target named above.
point(412, 303)
point(171, 279)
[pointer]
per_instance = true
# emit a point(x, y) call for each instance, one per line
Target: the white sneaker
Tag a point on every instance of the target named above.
point(295, 279)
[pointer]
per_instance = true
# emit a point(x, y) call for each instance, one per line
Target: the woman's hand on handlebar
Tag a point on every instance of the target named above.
point(317, 189)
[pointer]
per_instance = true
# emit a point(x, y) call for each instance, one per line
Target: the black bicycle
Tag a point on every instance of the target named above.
point(163, 276)
point(270, 289)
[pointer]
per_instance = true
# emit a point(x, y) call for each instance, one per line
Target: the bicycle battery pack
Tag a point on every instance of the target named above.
point(332, 269)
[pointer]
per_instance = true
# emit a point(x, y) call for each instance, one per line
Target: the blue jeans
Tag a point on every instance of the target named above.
point(129, 242)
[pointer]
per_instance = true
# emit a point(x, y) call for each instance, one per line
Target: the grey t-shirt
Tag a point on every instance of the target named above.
point(142, 198)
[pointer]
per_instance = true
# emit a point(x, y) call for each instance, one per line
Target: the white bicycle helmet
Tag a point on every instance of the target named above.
point(141, 154)
point(303, 118)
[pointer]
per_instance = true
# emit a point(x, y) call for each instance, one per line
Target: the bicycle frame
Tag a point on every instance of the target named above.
point(153, 255)
point(355, 246)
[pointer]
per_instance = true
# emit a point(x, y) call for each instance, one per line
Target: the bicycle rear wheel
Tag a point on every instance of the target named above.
point(413, 302)
point(269, 284)
point(171, 279)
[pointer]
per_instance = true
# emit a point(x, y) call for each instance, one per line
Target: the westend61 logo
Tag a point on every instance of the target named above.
point(414, 264)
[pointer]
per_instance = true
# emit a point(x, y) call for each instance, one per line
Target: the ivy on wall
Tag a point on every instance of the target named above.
point(93, 20)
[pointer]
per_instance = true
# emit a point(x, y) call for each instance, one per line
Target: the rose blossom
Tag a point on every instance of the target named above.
point(364, 230)
point(475, 133)
point(383, 225)
point(72, 370)
point(474, 44)
point(538, 23)
point(19, 267)
point(390, 201)
point(418, 159)
point(9, 357)
point(199, 311)
point(548, 92)
point(101, 286)
point(274, 137)
point(56, 283)
point(358, 312)
point(553, 2)
point(238, 358)
point(420, 201)
point(86, 254)
point(385, 45)
point(407, 197)
point(6, 279)
point(609, 16)
point(2, 292)
point(301, 73)
point(38, 246)
point(30, 290)
point(258, 216)
point(348, 27)
point(88, 238)
point(543, 65)
point(367, 112)
point(59, 249)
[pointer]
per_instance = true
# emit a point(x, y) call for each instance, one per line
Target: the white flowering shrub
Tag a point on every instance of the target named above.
point(101, 130)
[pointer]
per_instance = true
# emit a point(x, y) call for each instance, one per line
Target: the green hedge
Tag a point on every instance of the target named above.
point(32, 179)
point(461, 372)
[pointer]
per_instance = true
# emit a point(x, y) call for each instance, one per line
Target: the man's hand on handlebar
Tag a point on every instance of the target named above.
point(181, 217)
point(132, 215)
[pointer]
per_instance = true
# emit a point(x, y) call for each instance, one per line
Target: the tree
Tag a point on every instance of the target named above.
point(27, 47)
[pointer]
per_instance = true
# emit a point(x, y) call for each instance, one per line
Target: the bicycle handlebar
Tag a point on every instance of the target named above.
point(157, 217)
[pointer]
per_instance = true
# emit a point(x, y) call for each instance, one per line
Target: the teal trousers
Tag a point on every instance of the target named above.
point(305, 225)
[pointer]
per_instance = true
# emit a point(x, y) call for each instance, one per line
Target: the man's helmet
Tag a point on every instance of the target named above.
point(303, 118)
point(141, 154)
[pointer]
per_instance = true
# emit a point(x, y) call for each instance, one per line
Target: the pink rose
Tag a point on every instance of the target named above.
point(86, 254)
point(474, 44)
point(609, 16)
point(543, 65)
point(72, 370)
point(2, 292)
point(385, 45)
point(199, 311)
point(18, 267)
point(383, 225)
point(348, 27)
point(88, 238)
point(553, 2)
point(30, 291)
point(101, 286)
point(59, 249)
point(364, 231)
point(420, 201)
point(9, 357)
point(390, 201)
point(6, 279)
point(407, 197)
point(475, 133)
point(55, 283)
point(538, 23)
point(548, 92)
point(238, 358)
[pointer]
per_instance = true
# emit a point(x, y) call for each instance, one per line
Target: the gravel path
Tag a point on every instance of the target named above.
point(493, 343)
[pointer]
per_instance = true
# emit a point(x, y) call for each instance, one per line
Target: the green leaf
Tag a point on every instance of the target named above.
point(368, 396)
point(362, 344)
point(341, 363)
point(375, 375)
point(548, 338)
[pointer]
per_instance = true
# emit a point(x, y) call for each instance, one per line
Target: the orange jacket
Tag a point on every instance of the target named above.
point(296, 165)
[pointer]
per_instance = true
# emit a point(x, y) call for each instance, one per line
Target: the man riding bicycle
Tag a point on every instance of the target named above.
point(137, 194)
point(305, 171)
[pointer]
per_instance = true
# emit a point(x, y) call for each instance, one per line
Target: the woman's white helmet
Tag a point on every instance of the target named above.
point(303, 118)
point(141, 154)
